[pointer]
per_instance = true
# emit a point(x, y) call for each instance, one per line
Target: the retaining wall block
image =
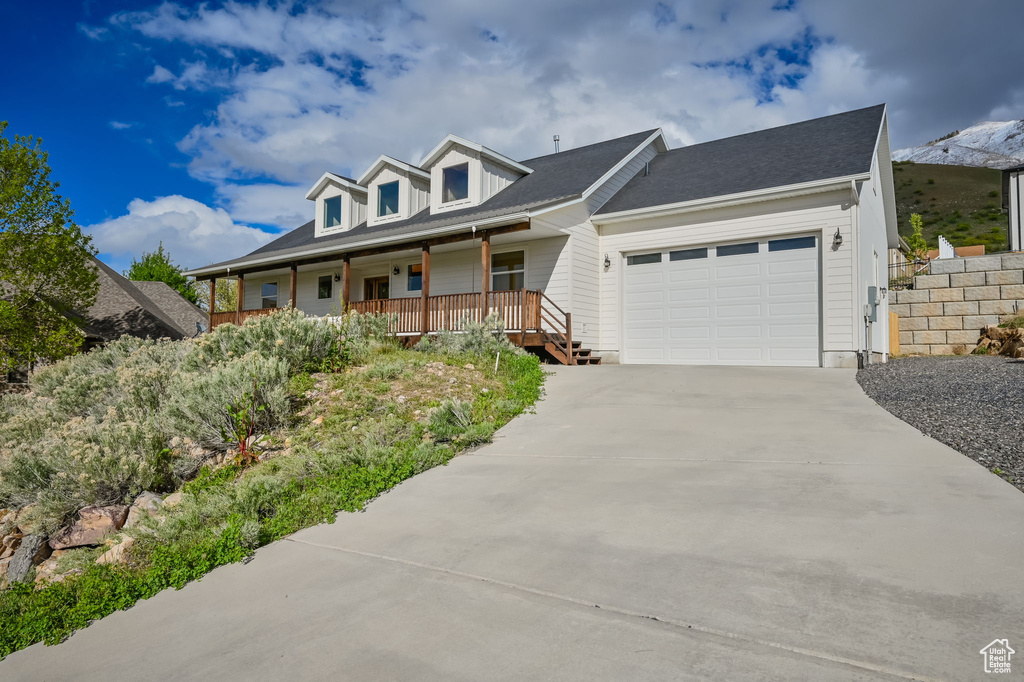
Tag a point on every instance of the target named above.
point(925, 309)
point(979, 321)
point(906, 338)
point(983, 263)
point(951, 322)
point(913, 324)
point(946, 266)
point(930, 337)
point(901, 310)
point(910, 349)
point(943, 295)
point(981, 293)
point(961, 308)
point(1013, 261)
point(1012, 291)
point(942, 349)
point(968, 337)
point(1000, 307)
point(931, 281)
point(1005, 277)
point(968, 279)
point(918, 295)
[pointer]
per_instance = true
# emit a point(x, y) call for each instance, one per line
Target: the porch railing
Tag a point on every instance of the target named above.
point(519, 310)
point(238, 317)
point(901, 275)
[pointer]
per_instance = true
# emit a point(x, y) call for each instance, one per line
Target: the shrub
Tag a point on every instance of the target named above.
point(450, 420)
point(485, 338)
point(363, 335)
point(302, 343)
point(200, 404)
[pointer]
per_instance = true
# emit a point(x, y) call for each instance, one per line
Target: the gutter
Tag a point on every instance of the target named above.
point(783, 192)
point(340, 249)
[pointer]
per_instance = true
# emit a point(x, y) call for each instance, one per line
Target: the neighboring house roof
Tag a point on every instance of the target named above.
point(555, 178)
point(823, 148)
point(122, 307)
point(183, 313)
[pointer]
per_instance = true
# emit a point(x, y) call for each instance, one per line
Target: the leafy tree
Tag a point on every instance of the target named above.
point(47, 274)
point(916, 241)
point(156, 266)
point(227, 294)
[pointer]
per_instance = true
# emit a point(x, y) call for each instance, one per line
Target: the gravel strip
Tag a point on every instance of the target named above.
point(973, 403)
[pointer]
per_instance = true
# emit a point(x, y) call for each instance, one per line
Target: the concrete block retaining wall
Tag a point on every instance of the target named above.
point(945, 311)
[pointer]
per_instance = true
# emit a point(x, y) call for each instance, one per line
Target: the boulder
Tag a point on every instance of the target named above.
point(32, 551)
point(117, 553)
point(8, 544)
point(93, 526)
point(146, 503)
point(172, 500)
point(24, 522)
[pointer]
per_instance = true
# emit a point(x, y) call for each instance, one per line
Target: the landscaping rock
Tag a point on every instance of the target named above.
point(46, 572)
point(172, 500)
point(23, 520)
point(33, 551)
point(93, 526)
point(146, 503)
point(8, 544)
point(117, 553)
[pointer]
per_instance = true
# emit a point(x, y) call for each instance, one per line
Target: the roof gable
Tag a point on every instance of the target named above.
point(385, 160)
point(340, 180)
point(437, 152)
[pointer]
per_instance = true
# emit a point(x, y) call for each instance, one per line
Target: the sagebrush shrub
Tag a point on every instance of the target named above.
point(485, 338)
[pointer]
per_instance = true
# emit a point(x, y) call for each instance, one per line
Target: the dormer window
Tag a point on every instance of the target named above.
point(387, 199)
point(455, 181)
point(332, 212)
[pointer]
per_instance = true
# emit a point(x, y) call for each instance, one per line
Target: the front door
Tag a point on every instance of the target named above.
point(376, 288)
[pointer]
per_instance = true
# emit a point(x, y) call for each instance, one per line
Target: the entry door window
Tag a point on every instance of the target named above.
point(377, 288)
point(268, 292)
point(508, 270)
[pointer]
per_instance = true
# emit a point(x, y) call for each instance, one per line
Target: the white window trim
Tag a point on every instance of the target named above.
point(526, 265)
point(341, 213)
point(393, 216)
point(469, 185)
point(317, 285)
point(277, 301)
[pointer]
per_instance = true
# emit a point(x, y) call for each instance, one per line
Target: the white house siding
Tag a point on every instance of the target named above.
point(819, 214)
point(494, 178)
point(353, 209)
point(873, 272)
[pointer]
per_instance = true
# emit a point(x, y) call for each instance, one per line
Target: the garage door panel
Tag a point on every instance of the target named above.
point(750, 308)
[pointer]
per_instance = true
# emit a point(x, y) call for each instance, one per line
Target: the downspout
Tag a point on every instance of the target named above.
point(862, 353)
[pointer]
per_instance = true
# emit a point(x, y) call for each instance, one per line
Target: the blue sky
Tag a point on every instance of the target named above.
point(201, 126)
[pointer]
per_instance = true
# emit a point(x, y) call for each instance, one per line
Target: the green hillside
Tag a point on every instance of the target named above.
point(961, 203)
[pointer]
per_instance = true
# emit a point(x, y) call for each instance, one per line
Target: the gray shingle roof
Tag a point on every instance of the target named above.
point(830, 147)
point(555, 178)
point(122, 308)
point(185, 315)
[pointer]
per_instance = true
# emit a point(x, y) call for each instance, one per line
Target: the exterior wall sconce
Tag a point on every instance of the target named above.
point(837, 239)
point(337, 277)
point(396, 271)
point(607, 261)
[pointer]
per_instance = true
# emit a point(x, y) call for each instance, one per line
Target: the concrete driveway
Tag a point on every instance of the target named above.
point(646, 523)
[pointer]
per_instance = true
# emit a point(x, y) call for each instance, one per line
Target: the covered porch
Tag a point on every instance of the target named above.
point(369, 277)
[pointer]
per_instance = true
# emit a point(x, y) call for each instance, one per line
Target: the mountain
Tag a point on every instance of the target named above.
point(993, 144)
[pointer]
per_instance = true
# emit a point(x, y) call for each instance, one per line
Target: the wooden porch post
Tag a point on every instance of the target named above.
point(345, 280)
point(485, 277)
point(241, 299)
point(295, 277)
point(213, 298)
point(425, 291)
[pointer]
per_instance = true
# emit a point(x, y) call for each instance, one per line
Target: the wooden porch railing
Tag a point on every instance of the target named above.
point(236, 317)
point(519, 310)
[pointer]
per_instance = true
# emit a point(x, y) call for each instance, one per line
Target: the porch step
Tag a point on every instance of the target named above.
point(581, 356)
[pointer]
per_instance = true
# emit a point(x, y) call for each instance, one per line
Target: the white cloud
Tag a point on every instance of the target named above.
point(192, 232)
point(312, 87)
point(120, 125)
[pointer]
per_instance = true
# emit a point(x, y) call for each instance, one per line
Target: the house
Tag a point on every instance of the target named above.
point(768, 248)
point(1013, 203)
point(142, 309)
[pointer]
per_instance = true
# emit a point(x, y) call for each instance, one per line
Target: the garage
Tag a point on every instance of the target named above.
point(747, 303)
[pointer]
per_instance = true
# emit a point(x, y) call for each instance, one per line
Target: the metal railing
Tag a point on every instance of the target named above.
point(901, 275)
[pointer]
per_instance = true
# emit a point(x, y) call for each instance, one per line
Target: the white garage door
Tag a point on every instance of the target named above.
point(754, 303)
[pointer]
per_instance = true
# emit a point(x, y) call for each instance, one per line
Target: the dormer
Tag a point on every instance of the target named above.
point(340, 204)
point(464, 173)
point(395, 190)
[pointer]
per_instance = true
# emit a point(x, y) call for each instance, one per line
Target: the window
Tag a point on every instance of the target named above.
point(688, 254)
point(324, 285)
point(737, 249)
point(268, 291)
point(387, 199)
point(508, 270)
point(455, 183)
point(332, 211)
point(643, 259)
point(791, 244)
point(415, 282)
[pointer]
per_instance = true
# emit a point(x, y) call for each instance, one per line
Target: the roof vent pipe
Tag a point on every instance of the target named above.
point(647, 168)
point(555, 138)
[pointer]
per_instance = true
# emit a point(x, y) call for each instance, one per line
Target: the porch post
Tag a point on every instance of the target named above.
point(241, 299)
point(425, 291)
point(213, 298)
point(485, 278)
point(345, 279)
point(295, 277)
